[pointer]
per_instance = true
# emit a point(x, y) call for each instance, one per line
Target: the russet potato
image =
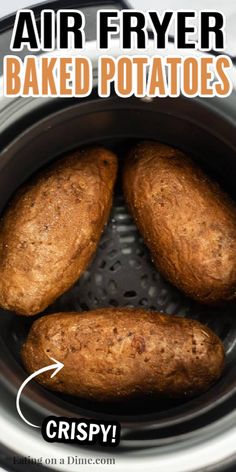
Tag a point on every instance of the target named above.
point(186, 220)
point(120, 353)
point(52, 227)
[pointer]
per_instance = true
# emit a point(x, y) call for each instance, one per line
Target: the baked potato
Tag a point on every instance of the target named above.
point(51, 229)
point(120, 353)
point(186, 220)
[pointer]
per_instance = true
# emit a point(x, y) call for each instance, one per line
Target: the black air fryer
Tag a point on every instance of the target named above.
point(195, 435)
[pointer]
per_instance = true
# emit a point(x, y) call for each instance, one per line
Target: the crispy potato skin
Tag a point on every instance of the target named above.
point(120, 353)
point(51, 229)
point(187, 222)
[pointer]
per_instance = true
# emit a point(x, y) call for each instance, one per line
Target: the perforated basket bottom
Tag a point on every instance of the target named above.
point(122, 274)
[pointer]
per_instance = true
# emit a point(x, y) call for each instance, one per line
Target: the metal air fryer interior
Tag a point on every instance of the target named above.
point(122, 272)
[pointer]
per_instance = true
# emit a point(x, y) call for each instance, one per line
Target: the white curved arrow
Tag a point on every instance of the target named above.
point(56, 367)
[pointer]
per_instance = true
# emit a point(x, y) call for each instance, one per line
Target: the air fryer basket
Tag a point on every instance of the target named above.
point(122, 272)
